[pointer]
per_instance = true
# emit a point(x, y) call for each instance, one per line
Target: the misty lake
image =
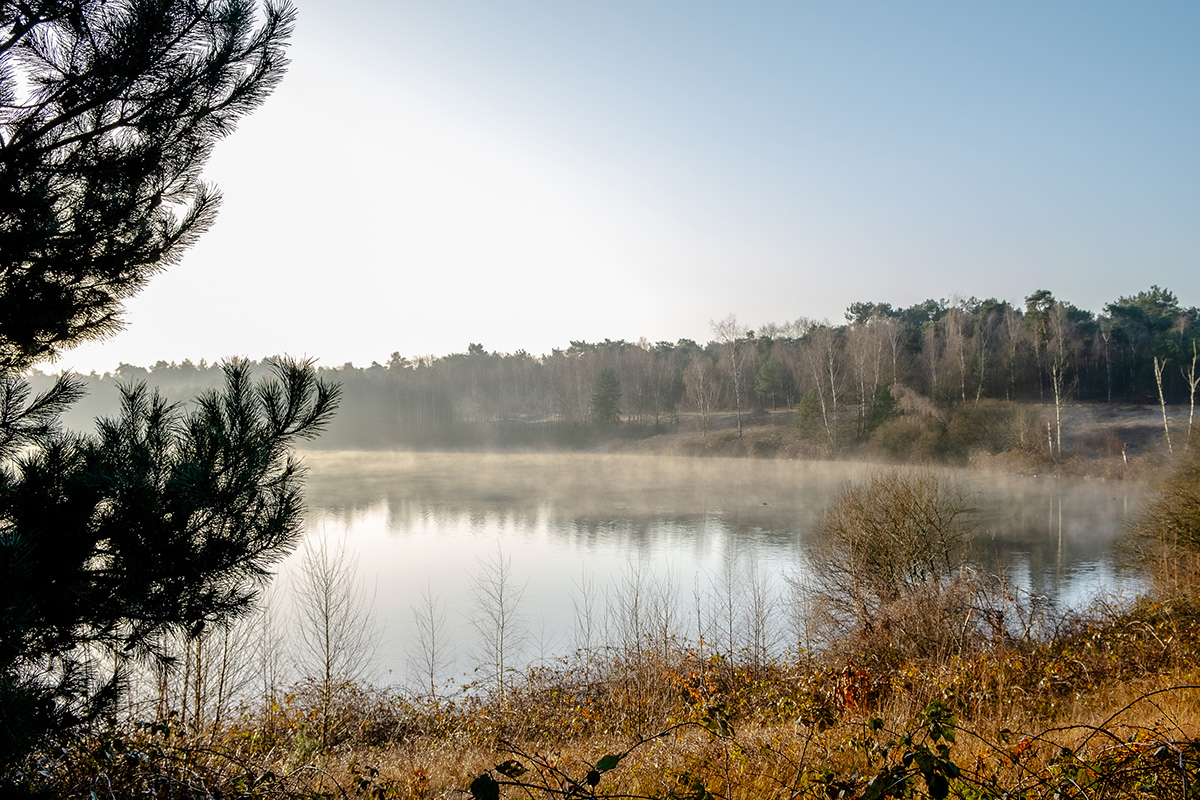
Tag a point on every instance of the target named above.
point(689, 533)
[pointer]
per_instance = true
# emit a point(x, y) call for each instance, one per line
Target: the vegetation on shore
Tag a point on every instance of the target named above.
point(933, 681)
point(1100, 710)
point(940, 380)
point(1101, 441)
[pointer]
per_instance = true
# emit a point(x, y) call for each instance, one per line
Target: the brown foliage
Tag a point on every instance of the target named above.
point(889, 569)
point(1165, 538)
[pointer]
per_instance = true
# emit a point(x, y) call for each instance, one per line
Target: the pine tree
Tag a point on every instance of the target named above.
point(161, 523)
point(164, 521)
point(108, 111)
point(606, 397)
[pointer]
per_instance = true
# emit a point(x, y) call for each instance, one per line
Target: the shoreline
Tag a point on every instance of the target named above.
point(1098, 441)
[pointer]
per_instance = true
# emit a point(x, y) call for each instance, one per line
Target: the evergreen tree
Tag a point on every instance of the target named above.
point(163, 522)
point(606, 397)
point(767, 383)
point(108, 111)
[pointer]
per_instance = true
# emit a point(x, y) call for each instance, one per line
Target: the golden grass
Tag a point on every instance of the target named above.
point(1110, 707)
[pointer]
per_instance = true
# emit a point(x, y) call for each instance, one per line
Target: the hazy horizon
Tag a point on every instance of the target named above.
point(383, 358)
point(433, 174)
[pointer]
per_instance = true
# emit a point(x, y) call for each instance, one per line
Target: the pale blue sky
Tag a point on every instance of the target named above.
point(522, 174)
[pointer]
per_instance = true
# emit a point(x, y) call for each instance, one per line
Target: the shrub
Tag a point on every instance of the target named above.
point(884, 407)
point(988, 426)
point(911, 438)
point(889, 573)
point(809, 419)
point(1164, 538)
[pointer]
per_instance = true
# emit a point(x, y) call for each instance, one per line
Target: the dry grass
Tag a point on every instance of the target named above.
point(1123, 442)
point(1110, 707)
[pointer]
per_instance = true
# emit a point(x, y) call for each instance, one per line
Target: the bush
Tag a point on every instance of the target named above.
point(884, 407)
point(910, 438)
point(989, 426)
point(889, 572)
point(1164, 538)
point(809, 419)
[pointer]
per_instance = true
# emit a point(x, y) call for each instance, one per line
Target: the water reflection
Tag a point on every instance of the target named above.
point(424, 522)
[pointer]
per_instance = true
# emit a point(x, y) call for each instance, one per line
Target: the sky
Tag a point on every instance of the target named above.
point(527, 173)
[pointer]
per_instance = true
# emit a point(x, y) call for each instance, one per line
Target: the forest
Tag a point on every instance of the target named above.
point(843, 381)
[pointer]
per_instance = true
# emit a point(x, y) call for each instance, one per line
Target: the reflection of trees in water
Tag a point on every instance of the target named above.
point(682, 532)
point(601, 485)
point(642, 535)
point(667, 547)
point(1044, 527)
point(1059, 538)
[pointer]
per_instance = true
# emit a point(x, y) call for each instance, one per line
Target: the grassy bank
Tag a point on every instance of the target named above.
point(1106, 706)
point(1107, 441)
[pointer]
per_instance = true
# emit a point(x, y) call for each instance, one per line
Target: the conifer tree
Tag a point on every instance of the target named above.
point(108, 111)
point(606, 397)
point(164, 521)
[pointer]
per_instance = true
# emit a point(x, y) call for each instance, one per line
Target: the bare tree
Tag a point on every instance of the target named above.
point(1060, 345)
point(864, 350)
point(1104, 329)
point(1015, 334)
point(631, 591)
point(819, 359)
point(761, 632)
point(432, 656)
point(664, 613)
point(586, 632)
point(954, 348)
point(931, 351)
point(269, 646)
point(869, 343)
point(888, 565)
point(1193, 380)
point(700, 385)
point(497, 620)
point(985, 334)
point(1159, 366)
point(337, 634)
point(727, 600)
point(892, 333)
point(733, 335)
point(211, 673)
point(801, 617)
point(1164, 538)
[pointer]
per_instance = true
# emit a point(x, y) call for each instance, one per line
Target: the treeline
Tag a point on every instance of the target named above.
point(842, 380)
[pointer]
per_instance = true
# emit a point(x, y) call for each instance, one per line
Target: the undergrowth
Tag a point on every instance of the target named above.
point(1106, 706)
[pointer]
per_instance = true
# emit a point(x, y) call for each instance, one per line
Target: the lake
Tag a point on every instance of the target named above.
point(598, 546)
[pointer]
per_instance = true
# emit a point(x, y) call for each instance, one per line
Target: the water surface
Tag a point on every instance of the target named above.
point(711, 538)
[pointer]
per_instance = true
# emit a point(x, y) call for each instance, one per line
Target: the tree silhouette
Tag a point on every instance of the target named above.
point(164, 521)
point(108, 111)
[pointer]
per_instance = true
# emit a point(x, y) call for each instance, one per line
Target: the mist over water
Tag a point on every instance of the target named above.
point(693, 534)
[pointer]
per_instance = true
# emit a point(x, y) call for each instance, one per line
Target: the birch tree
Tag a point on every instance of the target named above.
point(732, 336)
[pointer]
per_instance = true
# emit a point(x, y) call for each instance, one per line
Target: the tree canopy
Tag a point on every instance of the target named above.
point(606, 397)
point(952, 355)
